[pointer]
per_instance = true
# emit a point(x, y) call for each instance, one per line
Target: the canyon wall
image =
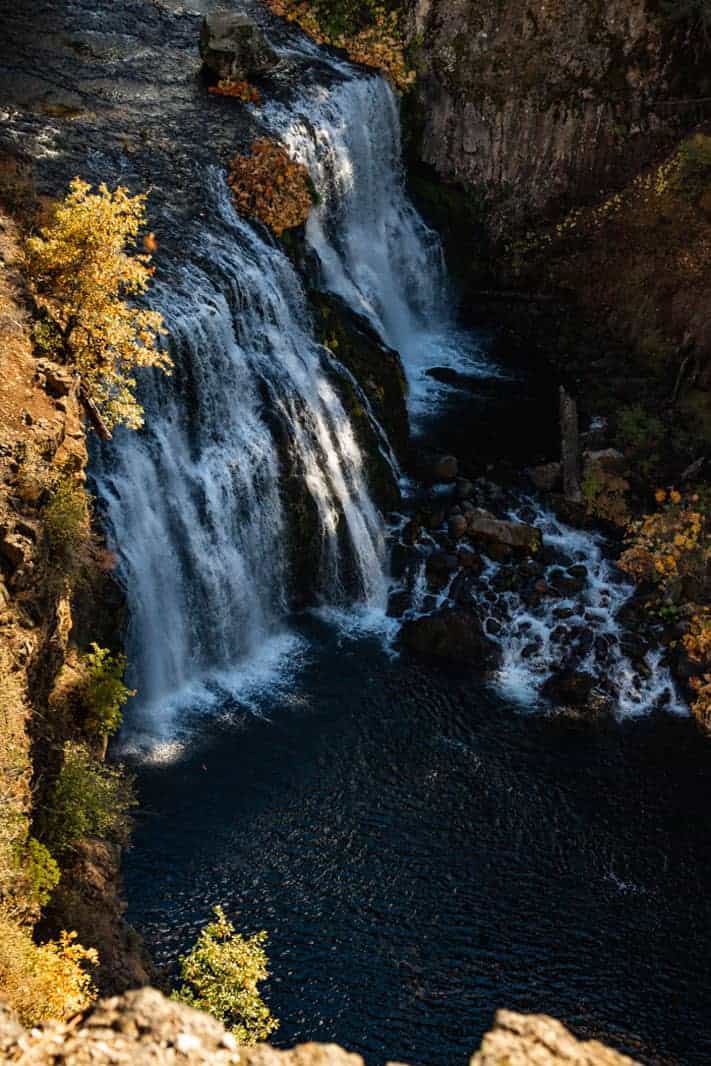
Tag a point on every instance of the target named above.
point(534, 107)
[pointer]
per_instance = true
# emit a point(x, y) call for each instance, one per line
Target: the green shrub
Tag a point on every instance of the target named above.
point(88, 799)
point(102, 691)
point(41, 870)
point(67, 519)
point(221, 974)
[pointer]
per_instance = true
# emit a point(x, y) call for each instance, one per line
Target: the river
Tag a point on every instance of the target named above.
point(422, 845)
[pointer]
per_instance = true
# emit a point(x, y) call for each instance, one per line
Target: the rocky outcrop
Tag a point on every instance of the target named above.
point(233, 47)
point(453, 635)
point(532, 107)
point(144, 1028)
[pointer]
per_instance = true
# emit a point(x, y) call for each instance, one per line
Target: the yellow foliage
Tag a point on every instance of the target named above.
point(44, 981)
point(271, 186)
point(83, 275)
point(378, 45)
point(671, 543)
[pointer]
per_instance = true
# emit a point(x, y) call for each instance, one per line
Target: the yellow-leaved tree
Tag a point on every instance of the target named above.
point(84, 267)
point(222, 974)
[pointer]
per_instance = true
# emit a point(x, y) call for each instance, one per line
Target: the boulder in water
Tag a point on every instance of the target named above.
point(233, 47)
point(454, 635)
point(569, 688)
point(503, 534)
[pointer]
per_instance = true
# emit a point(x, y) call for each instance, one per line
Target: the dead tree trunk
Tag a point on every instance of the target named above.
point(93, 412)
point(570, 447)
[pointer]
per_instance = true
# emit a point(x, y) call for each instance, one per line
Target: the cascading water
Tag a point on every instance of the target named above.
point(372, 246)
point(194, 503)
point(374, 250)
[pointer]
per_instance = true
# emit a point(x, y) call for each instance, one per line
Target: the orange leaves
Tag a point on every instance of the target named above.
point(241, 90)
point(672, 543)
point(269, 185)
point(379, 44)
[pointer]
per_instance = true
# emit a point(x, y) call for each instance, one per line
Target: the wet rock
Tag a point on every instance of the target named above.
point(435, 518)
point(564, 583)
point(398, 603)
point(411, 531)
point(445, 468)
point(469, 561)
point(464, 488)
point(457, 526)
point(232, 46)
point(440, 562)
point(547, 477)
point(402, 558)
point(569, 688)
point(502, 533)
point(454, 635)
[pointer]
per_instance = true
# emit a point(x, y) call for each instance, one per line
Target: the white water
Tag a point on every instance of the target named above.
point(193, 502)
point(373, 248)
point(375, 251)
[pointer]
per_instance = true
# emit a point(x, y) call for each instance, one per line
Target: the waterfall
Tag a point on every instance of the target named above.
point(194, 503)
point(375, 251)
point(372, 246)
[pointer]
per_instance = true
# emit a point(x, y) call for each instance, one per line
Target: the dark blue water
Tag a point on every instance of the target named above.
point(421, 854)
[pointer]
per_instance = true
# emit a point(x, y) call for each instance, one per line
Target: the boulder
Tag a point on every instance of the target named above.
point(569, 688)
point(15, 549)
point(547, 477)
point(454, 635)
point(233, 47)
point(445, 468)
point(457, 526)
point(511, 536)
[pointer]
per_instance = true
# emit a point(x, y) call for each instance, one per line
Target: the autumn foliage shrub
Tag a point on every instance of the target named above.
point(369, 32)
point(671, 550)
point(269, 185)
point(43, 982)
point(84, 268)
point(221, 975)
point(241, 90)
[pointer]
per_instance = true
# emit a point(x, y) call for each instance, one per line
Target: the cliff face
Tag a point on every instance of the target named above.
point(47, 616)
point(144, 1027)
point(532, 107)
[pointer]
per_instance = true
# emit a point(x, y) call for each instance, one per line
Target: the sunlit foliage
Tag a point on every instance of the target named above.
point(221, 975)
point(84, 269)
point(45, 981)
point(366, 30)
point(89, 799)
point(269, 185)
point(102, 691)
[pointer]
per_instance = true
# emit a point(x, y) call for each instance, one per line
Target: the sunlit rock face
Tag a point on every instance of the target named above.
point(144, 1028)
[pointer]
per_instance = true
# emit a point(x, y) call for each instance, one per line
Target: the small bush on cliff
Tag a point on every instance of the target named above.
point(67, 520)
point(102, 691)
point(269, 185)
point(88, 799)
point(84, 270)
point(41, 982)
point(221, 976)
point(41, 872)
